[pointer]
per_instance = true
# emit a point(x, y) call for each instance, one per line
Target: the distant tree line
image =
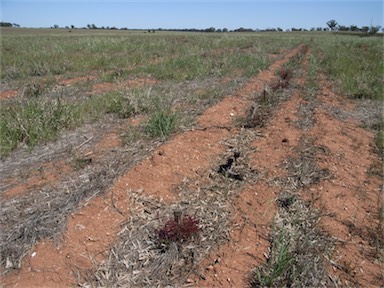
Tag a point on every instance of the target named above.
point(8, 24)
point(332, 26)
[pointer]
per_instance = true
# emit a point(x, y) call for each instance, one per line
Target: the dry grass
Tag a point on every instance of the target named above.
point(305, 113)
point(302, 168)
point(299, 250)
point(43, 213)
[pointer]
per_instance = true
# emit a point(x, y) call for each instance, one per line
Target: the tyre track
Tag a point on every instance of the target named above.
point(255, 206)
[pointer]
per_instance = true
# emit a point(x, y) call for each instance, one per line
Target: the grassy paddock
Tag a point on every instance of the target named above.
point(355, 64)
point(32, 60)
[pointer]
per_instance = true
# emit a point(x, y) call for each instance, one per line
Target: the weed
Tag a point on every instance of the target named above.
point(33, 90)
point(119, 104)
point(284, 77)
point(278, 263)
point(39, 68)
point(286, 199)
point(111, 76)
point(178, 229)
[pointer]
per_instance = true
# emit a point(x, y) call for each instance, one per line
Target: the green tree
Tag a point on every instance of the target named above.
point(365, 29)
point(332, 24)
point(5, 24)
point(374, 29)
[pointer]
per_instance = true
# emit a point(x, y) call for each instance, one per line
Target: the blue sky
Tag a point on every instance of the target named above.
point(192, 13)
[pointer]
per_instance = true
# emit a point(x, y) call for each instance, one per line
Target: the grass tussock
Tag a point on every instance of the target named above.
point(161, 124)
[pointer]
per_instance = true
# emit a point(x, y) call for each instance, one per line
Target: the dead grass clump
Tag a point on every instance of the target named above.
point(305, 113)
point(284, 77)
point(302, 168)
point(261, 111)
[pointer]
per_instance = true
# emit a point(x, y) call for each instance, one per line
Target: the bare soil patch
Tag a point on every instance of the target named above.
point(72, 81)
point(353, 196)
point(6, 94)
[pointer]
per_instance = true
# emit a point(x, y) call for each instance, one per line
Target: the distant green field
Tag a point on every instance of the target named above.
point(34, 61)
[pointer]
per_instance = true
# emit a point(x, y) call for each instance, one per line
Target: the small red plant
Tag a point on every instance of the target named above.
point(178, 229)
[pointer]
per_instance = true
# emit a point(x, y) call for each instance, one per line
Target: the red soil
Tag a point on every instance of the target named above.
point(104, 87)
point(6, 94)
point(351, 197)
point(48, 173)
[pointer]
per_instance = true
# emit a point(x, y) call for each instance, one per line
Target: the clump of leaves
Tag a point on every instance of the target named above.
point(178, 229)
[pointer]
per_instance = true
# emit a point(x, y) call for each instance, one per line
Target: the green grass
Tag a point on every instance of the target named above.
point(355, 64)
point(279, 262)
point(56, 52)
point(161, 124)
point(40, 120)
point(171, 58)
point(40, 115)
point(33, 122)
